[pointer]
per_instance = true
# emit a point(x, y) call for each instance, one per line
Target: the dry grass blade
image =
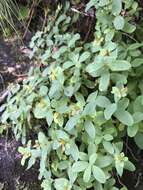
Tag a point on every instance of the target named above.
point(8, 11)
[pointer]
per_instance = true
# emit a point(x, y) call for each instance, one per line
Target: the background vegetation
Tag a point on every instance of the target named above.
point(81, 107)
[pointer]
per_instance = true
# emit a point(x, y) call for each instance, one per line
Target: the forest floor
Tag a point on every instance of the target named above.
point(14, 66)
point(14, 62)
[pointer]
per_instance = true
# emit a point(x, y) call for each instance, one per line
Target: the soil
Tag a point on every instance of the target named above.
point(14, 61)
point(132, 180)
point(12, 174)
point(14, 65)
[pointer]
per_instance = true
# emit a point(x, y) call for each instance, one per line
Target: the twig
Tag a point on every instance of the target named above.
point(45, 18)
point(2, 82)
point(138, 180)
point(136, 159)
point(126, 143)
point(4, 96)
point(19, 75)
point(83, 13)
point(89, 30)
point(31, 12)
point(132, 38)
point(12, 73)
point(120, 182)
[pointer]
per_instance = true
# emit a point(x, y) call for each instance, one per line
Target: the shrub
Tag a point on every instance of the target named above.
point(83, 100)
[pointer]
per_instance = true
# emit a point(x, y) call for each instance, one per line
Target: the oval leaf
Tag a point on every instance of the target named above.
point(124, 117)
point(87, 174)
point(120, 65)
point(79, 166)
point(110, 109)
point(119, 22)
point(98, 174)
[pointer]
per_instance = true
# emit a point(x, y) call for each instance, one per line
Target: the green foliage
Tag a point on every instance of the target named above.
point(83, 101)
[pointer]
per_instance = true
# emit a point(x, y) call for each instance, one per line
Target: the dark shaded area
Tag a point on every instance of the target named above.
point(14, 65)
point(132, 180)
point(14, 61)
point(11, 170)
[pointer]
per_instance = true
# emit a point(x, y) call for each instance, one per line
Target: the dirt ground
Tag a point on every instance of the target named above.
point(14, 66)
point(14, 61)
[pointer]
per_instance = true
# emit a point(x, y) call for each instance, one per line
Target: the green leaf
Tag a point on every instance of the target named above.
point(119, 22)
point(124, 117)
point(89, 109)
point(108, 137)
point(138, 106)
point(119, 65)
point(135, 46)
point(23, 12)
point(108, 147)
point(83, 156)
point(119, 167)
point(99, 118)
point(80, 99)
point(102, 3)
point(104, 81)
point(129, 28)
point(31, 162)
point(87, 174)
point(40, 112)
point(49, 117)
point(42, 139)
point(89, 5)
point(139, 140)
point(73, 40)
point(137, 116)
point(63, 165)
point(72, 175)
point(116, 7)
point(104, 161)
point(129, 166)
point(46, 55)
point(102, 101)
point(98, 174)
point(93, 67)
point(68, 64)
point(43, 90)
point(46, 184)
point(62, 135)
point(72, 122)
point(79, 166)
point(55, 88)
point(109, 110)
point(61, 184)
point(74, 151)
point(123, 188)
point(90, 129)
point(92, 97)
point(92, 158)
point(92, 148)
point(123, 103)
point(69, 91)
point(56, 144)
point(137, 62)
point(59, 52)
point(132, 130)
point(118, 147)
point(84, 57)
point(46, 72)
